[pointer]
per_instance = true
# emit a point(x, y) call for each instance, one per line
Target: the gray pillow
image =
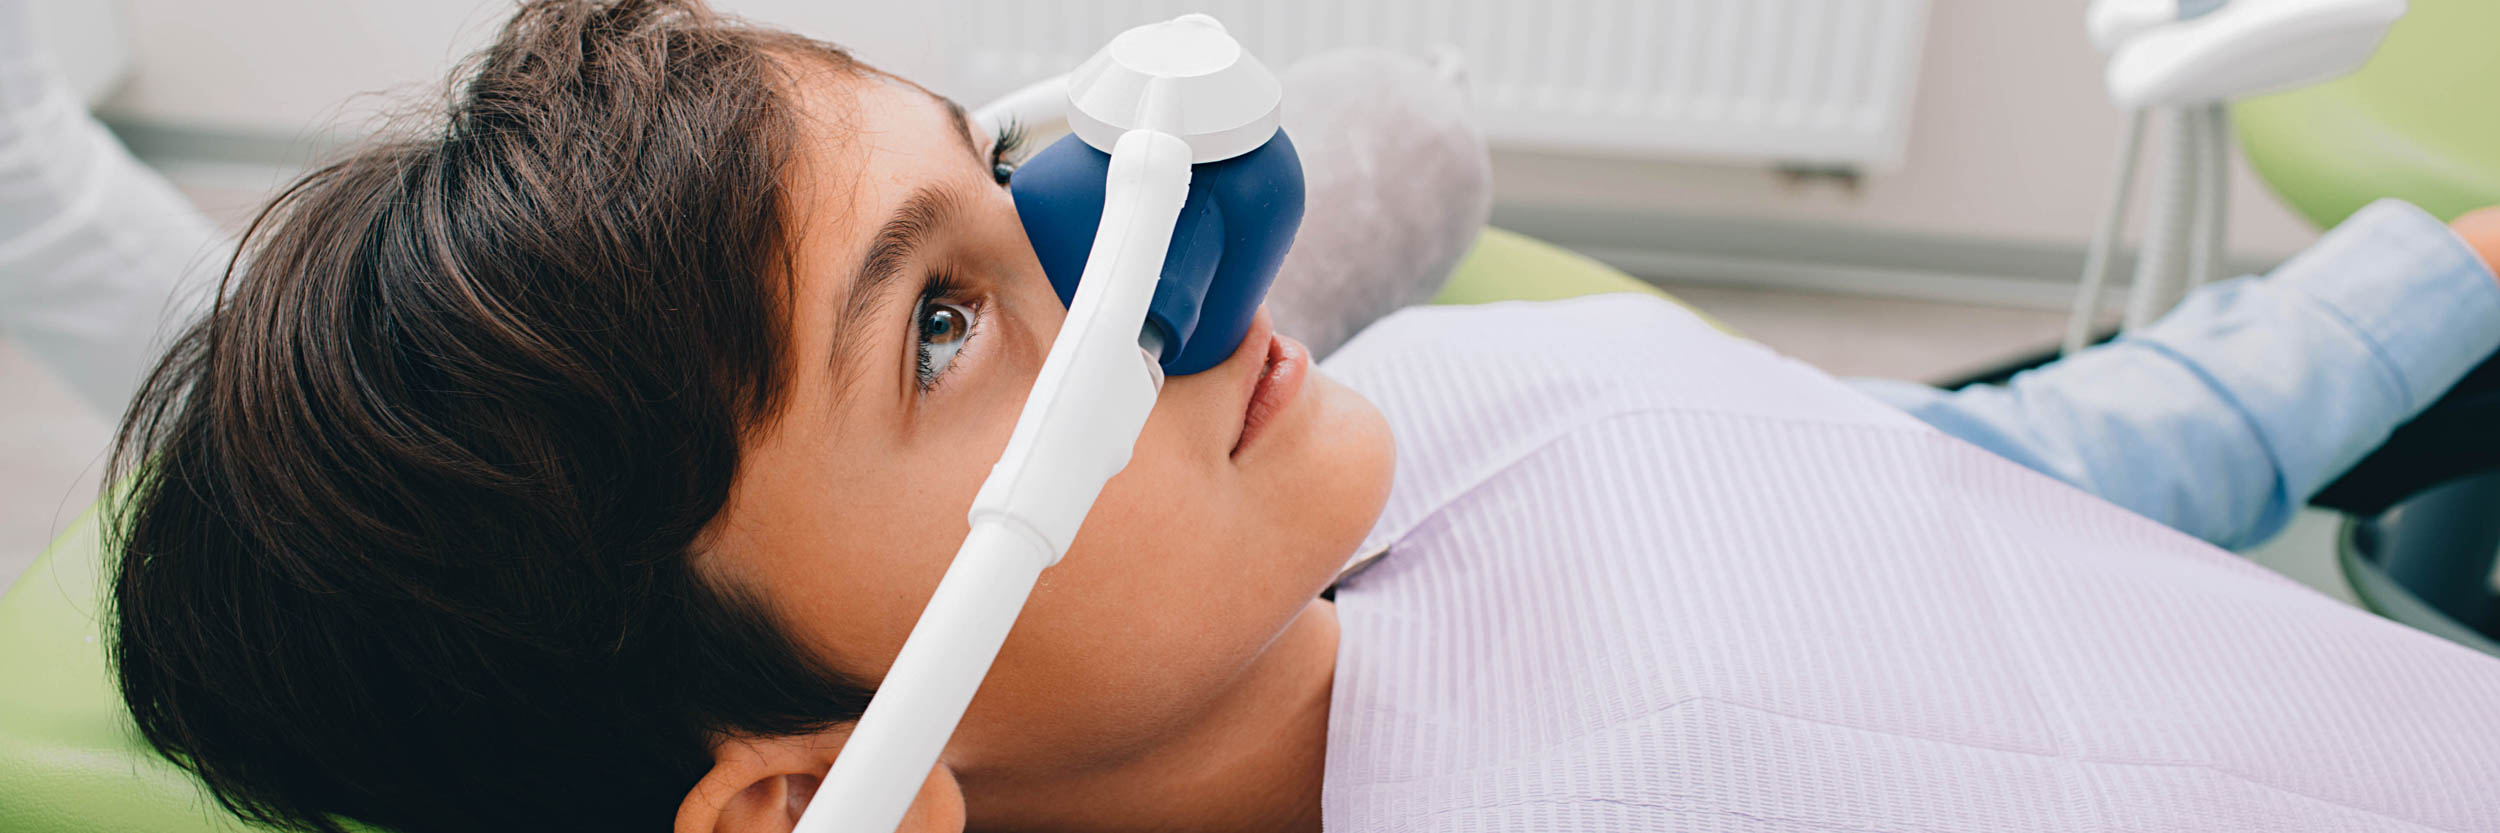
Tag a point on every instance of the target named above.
point(1397, 185)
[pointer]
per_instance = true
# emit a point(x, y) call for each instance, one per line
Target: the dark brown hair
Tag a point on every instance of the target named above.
point(409, 516)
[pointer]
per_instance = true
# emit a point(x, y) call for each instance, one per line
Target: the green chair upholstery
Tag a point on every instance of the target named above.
point(69, 758)
point(2420, 122)
point(70, 761)
point(1509, 266)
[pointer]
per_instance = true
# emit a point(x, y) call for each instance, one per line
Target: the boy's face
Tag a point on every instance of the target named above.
point(1196, 567)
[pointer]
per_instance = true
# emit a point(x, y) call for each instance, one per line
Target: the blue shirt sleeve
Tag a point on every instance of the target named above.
point(2223, 417)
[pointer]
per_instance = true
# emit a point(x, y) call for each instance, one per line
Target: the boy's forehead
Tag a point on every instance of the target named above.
point(866, 141)
point(878, 131)
point(868, 102)
point(929, 111)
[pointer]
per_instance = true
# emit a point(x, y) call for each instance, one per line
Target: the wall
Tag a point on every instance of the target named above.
point(2011, 142)
point(284, 65)
point(2012, 139)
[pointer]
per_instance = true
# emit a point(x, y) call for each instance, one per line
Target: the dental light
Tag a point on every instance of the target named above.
point(1161, 222)
point(2190, 58)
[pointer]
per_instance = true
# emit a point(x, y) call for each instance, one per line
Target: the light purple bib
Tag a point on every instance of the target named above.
point(1641, 576)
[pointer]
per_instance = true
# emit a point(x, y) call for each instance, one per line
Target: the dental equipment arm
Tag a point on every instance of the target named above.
point(2227, 51)
point(2190, 58)
point(1188, 215)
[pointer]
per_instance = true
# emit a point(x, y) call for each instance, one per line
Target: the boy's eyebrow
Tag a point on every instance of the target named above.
point(929, 208)
point(963, 127)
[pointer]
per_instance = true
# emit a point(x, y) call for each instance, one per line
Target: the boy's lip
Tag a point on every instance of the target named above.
point(1276, 377)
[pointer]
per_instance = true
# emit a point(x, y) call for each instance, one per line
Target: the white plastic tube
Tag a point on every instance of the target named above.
point(2098, 260)
point(1078, 428)
point(2161, 265)
point(882, 766)
point(2213, 198)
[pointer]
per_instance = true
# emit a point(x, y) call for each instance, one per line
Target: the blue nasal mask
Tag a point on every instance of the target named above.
point(1233, 232)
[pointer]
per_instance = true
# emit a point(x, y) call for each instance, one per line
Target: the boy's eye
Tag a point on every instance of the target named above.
point(943, 324)
point(943, 329)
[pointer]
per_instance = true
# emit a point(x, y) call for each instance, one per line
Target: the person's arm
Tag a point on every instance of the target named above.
point(99, 257)
point(2224, 416)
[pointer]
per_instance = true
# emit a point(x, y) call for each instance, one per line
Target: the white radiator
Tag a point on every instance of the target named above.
point(1823, 82)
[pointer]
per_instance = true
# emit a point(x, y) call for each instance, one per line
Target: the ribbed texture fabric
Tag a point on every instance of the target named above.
point(1640, 576)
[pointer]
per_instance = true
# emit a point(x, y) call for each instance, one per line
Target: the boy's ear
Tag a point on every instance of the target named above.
point(760, 785)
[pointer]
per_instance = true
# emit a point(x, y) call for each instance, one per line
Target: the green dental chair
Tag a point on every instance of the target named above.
point(2420, 122)
point(70, 761)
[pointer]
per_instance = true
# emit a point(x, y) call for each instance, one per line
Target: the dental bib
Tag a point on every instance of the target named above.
point(1635, 575)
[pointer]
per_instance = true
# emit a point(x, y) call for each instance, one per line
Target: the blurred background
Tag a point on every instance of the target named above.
point(1896, 188)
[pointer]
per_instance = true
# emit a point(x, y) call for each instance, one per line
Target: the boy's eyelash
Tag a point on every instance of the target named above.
point(1009, 139)
point(939, 285)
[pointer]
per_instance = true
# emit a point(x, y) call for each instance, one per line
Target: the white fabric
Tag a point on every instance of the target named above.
point(1398, 185)
point(1641, 576)
point(100, 259)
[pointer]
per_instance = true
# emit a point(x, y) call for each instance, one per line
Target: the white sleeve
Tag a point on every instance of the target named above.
point(101, 260)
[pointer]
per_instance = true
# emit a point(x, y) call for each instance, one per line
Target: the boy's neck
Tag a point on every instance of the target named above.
point(1254, 764)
